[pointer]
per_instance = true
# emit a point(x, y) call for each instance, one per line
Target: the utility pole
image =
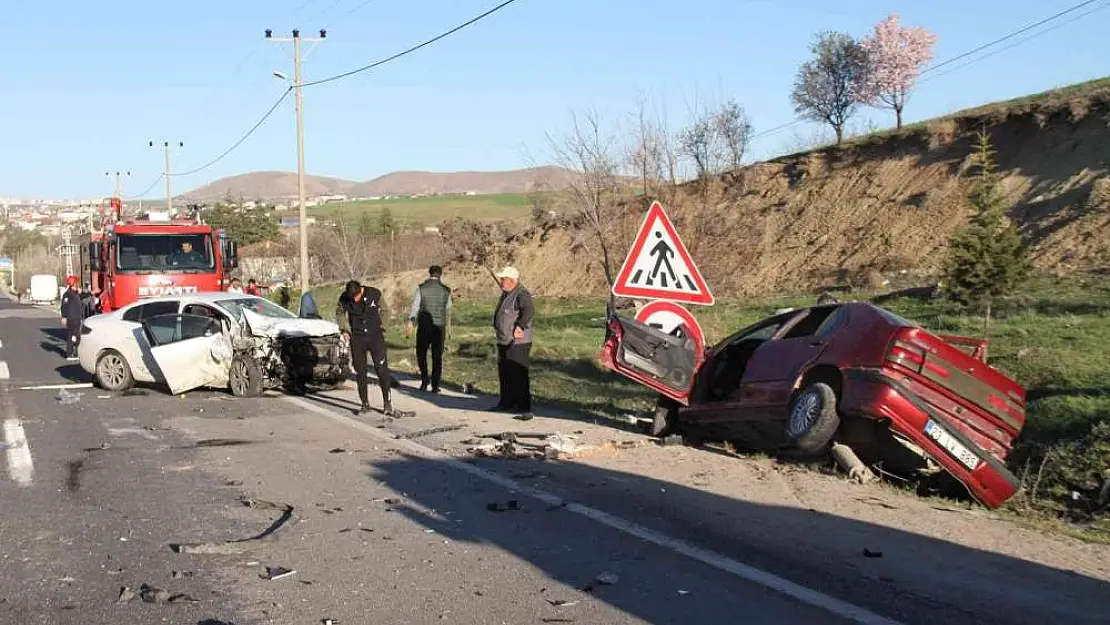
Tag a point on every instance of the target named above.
point(68, 250)
point(117, 189)
point(296, 40)
point(166, 150)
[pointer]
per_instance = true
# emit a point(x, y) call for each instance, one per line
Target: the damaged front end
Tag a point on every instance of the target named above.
point(292, 354)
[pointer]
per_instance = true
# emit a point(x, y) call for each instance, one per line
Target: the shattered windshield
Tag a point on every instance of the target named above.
point(162, 252)
point(257, 305)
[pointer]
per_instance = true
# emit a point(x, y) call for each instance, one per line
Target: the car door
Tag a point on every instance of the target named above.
point(663, 362)
point(769, 379)
point(134, 344)
point(190, 351)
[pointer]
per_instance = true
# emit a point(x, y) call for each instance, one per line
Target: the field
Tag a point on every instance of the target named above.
point(1053, 338)
point(431, 210)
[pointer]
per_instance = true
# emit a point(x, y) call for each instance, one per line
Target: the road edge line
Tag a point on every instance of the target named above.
point(747, 572)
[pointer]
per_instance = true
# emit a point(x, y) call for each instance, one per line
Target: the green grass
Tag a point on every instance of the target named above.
point(431, 210)
point(1053, 338)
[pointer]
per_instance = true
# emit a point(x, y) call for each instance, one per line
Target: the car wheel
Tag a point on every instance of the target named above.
point(665, 421)
point(245, 379)
point(813, 419)
point(113, 373)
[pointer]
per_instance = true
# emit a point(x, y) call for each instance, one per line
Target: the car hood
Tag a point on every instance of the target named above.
point(260, 325)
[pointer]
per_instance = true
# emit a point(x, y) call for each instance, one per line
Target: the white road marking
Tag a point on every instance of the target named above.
point(1, 343)
point(4, 372)
point(798, 592)
point(20, 465)
point(55, 387)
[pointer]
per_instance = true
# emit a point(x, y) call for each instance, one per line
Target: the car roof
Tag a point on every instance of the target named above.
point(208, 297)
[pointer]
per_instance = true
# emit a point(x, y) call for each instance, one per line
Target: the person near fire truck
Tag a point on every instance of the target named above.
point(73, 313)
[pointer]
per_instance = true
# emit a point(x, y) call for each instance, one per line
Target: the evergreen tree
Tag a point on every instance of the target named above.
point(987, 258)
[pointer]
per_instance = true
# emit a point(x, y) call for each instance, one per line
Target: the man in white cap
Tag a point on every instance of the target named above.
point(512, 323)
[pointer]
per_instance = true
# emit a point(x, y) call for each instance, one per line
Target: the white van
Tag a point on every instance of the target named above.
point(44, 289)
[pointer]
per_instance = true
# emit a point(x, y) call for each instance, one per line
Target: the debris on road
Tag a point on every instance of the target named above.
point(602, 579)
point(494, 506)
point(222, 442)
point(135, 392)
point(337, 450)
point(274, 573)
point(674, 440)
point(181, 574)
point(12, 445)
point(867, 553)
point(66, 398)
point(561, 444)
point(430, 431)
point(150, 594)
point(561, 603)
point(850, 462)
point(233, 547)
point(683, 593)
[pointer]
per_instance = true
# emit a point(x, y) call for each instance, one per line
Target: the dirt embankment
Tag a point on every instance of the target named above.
point(879, 207)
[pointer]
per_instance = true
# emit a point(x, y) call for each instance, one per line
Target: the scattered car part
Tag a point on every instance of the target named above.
point(233, 547)
point(850, 462)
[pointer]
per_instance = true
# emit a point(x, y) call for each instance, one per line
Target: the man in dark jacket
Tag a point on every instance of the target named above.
point(73, 313)
point(431, 314)
point(359, 315)
point(512, 324)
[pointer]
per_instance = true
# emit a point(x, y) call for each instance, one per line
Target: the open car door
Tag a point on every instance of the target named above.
point(663, 362)
point(191, 351)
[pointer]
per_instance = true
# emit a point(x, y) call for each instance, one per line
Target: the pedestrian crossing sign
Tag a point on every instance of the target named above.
point(659, 267)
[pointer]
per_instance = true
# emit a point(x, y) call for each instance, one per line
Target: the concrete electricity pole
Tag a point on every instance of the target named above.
point(166, 150)
point(296, 40)
point(117, 190)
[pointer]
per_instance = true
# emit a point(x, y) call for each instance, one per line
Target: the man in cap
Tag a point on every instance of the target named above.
point(73, 313)
point(359, 315)
point(512, 324)
point(431, 315)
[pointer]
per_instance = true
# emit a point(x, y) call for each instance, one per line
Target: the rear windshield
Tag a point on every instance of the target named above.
point(895, 319)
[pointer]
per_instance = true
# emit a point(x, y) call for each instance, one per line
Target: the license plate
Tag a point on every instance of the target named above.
point(951, 445)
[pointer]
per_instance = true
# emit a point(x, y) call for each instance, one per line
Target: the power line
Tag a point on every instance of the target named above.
point(1018, 42)
point(1009, 36)
point(148, 189)
point(357, 8)
point(954, 59)
point(243, 138)
point(412, 49)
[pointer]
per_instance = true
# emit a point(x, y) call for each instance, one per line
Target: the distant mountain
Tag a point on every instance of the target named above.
point(275, 185)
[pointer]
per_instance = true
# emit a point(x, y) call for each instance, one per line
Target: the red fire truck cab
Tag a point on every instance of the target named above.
point(155, 255)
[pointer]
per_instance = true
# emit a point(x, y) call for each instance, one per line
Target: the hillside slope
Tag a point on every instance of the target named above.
point(878, 207)
point(283, 185)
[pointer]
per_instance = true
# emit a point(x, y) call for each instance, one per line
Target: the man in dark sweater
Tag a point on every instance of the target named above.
point(73, 313)
point(359, 315)
point(431, 314)
point(512, 324)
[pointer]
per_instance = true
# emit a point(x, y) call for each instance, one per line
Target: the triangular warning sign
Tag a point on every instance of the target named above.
point(659, 267)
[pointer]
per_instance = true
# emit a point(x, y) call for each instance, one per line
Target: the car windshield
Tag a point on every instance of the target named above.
point(257, 305)
point(164, 252)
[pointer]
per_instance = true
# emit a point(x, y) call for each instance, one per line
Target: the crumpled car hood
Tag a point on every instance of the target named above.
point(260, 325)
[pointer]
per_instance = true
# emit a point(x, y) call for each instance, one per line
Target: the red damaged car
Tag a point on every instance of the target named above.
point(851, 373)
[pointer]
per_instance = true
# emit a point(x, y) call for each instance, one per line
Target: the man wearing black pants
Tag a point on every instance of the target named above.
point(359, 316)
point(431, 314)
point(512, 324)
point(73, 313)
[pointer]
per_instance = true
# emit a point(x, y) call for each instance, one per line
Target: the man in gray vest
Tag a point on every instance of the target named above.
point(512, 324)
point(431, 314)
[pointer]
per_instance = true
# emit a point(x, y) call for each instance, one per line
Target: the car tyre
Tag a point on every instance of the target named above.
point(113, 373)
point(665, 421)
point(245, 378)
point(813, 419)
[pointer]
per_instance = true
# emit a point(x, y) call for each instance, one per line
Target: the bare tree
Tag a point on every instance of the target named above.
point(826, 85)
point(734, 132)
point(654, 154)
point(699, 142)
point(590, 152)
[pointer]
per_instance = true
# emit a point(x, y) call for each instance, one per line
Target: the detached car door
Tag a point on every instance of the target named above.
point(190, 351)
point(663, 362)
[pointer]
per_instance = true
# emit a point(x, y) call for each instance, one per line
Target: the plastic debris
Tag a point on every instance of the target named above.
point(66, 398)
point(150, 594)
point(277, 572)
point(494, 506)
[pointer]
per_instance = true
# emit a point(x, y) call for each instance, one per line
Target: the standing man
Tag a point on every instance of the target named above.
point(512, 324)
point(253, 289)
point(73, 313)
point(431, 314)
point(236, 286)
point(359, 315)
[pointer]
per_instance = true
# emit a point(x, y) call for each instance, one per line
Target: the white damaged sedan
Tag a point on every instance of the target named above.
point(223, 340)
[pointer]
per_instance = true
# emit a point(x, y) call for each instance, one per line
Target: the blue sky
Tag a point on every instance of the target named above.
point(85, 85)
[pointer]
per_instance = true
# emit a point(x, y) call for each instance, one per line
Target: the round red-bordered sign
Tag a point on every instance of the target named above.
point(672, 319)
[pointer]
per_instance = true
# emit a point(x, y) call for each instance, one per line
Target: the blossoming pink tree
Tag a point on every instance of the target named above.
point(896, 55)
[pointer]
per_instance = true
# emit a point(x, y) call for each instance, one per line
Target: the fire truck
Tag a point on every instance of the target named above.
point(155, 254)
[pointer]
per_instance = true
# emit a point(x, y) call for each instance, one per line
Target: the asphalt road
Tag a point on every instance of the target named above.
point(95, 489)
